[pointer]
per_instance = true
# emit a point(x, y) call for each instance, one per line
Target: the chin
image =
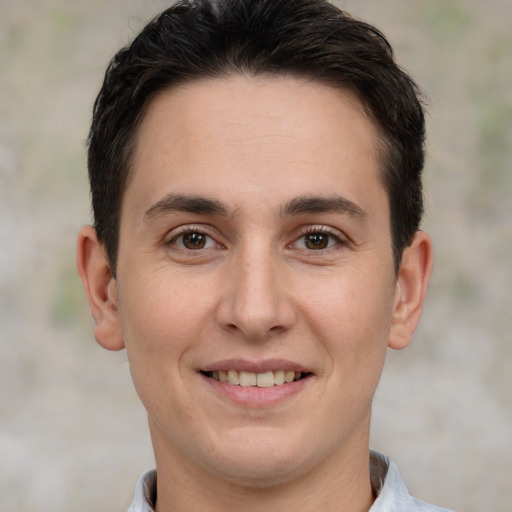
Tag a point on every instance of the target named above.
point(262, 464)
point(260, 474)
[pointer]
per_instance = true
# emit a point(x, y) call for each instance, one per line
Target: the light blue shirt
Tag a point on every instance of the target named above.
point(387, 484)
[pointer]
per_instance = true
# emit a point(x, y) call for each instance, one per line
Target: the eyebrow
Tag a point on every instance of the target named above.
point(319, 204)
point(207, 206)
point(186, 203)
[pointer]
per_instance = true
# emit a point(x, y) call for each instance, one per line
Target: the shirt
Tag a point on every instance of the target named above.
point(387, 484)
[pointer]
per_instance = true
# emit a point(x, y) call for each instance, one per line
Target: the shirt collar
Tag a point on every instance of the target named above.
point(387, 485)
point(144, 497)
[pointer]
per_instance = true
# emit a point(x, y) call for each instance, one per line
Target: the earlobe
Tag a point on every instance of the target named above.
point(411, 287)
point(100, 288)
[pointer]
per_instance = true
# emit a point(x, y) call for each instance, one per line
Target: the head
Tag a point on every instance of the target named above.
point(307, 39)
point(255, 170)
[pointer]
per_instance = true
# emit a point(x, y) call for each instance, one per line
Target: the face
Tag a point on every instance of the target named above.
point(255, 248)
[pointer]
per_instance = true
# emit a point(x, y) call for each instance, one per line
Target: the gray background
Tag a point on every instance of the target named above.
point(72, 434)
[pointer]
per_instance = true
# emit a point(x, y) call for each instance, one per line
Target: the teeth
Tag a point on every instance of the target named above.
point(279, 377)
point(265, 380)
point(233, 377)
point(261, 380)
point(247, 379)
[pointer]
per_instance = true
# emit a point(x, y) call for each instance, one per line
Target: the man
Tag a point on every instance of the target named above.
point(255, 170)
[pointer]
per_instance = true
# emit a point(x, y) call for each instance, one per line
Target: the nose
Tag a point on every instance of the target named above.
point(255, 301)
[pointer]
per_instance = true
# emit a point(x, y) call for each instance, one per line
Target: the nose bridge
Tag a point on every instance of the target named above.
point(257, 302)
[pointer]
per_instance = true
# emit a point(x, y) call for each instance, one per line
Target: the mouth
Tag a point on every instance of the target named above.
point(261, 380)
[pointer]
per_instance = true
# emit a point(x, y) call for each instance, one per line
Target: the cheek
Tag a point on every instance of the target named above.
point(162, 307)
point(351, 315)
point(160, 327)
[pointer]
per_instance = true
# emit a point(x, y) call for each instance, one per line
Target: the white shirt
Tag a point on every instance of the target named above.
point(387, 484)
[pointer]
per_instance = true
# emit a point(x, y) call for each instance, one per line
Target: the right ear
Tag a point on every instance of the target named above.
point(100, 288)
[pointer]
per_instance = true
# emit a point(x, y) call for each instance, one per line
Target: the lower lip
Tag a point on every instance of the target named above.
point(254, 396)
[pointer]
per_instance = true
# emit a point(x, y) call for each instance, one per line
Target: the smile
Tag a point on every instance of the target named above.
point(260, 380)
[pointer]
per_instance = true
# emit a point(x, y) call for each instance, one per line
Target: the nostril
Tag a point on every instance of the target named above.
point(254, 310)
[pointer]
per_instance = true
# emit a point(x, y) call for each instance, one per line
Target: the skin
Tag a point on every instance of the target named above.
point(255, 233)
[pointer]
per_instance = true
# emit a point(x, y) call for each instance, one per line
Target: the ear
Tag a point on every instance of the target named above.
point(411, 287)
point(100, 288)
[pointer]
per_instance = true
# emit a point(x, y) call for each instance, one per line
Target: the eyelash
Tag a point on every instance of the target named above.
point(189, 230)
point(321, 230)
point(312, 230)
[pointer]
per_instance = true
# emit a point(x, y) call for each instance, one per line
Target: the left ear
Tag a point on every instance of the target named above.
point(411, 287)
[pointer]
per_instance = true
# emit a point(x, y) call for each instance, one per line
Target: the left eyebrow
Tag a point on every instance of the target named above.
point(319, 204)
point(186, 203)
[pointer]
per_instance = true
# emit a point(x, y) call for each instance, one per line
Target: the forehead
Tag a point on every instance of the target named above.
point(235, 134)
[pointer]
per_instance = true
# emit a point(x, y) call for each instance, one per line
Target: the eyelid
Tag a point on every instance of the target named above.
point(322, 229)
point(175, 233)
point(185, 228)
point(340, 238)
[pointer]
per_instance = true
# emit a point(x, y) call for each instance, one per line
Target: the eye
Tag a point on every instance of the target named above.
point(193, 240)
point(317, 240)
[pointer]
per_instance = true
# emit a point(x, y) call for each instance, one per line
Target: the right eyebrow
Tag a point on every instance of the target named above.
point(320, 204)
point(186, 203)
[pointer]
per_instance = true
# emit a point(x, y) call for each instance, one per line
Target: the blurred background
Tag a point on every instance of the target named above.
point(73, 436)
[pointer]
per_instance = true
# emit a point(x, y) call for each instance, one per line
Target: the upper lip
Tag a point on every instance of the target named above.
point(261, 366)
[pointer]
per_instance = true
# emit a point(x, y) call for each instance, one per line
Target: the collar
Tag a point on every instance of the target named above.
point(387, 485)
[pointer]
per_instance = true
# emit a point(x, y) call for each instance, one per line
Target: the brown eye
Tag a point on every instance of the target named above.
point(193, 241)
point(316, 241)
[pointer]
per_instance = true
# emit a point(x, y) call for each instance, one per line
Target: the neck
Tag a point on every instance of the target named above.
point(340, 483)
